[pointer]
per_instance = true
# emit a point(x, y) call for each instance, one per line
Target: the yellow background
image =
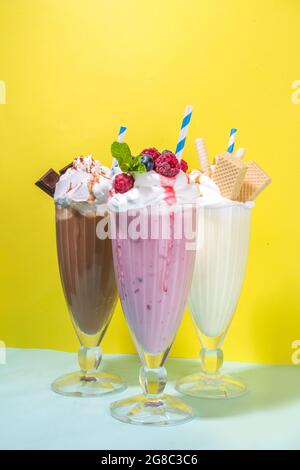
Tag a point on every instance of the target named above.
point(77, 69)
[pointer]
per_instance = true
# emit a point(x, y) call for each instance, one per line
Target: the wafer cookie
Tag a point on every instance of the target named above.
point(229, 174)
point(256, 179)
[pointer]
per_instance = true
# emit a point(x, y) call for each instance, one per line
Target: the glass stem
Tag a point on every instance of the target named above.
point(211, 361)
point(89, 360)
point(153, 381)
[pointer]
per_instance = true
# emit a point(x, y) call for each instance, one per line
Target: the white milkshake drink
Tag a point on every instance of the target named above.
point(222, 250)
point(223, 234)
point(224, 209)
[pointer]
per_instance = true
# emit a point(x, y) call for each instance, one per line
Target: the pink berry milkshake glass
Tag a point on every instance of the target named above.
point(152, 222)
point(153, 277)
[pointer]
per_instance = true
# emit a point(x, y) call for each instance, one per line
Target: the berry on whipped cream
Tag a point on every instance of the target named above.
point(123, 182)
point(167, 165)
point(148, 161)
point(153, 152)
point(184, 166)
point(149, 179)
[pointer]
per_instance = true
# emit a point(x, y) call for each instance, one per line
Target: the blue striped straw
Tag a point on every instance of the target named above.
point(231, 140)
point(120, 139)
point(121, 136)
point(183, 132)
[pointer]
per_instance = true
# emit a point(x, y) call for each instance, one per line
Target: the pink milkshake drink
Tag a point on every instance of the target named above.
point(153, 238)
point(153, 277)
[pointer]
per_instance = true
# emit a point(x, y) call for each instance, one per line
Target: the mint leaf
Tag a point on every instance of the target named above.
point(121, 152)
point(125, 166)
point(128, 164)
point(137, 166)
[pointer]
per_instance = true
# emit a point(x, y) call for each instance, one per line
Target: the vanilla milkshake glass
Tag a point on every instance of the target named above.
point(154, 253)
point(223, 234)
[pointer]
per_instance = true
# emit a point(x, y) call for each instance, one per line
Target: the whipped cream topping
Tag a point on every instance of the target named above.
point(210, 195)
point(151, 188)
point(86, 181)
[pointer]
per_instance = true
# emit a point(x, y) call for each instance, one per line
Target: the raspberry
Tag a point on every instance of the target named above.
point(184, 166)
point(167, 165)
point(123, 182)
point(153, 152)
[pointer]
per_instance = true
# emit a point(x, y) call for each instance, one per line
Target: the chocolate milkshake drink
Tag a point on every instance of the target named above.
point(152, 215)
point(86, 270)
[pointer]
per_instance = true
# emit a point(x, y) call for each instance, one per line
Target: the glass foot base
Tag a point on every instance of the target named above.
point(202, 385)
point(77, 384)
point(165, 410)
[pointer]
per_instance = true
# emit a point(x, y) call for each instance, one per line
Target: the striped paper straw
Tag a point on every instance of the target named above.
point(183, 132)
point(121, 136)
point(231, 140)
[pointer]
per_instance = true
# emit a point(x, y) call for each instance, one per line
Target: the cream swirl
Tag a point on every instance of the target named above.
point(151, 188)
point(86, 181)
point(210, 194)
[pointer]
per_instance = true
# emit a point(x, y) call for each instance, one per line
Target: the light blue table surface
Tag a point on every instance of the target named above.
point(33, 417)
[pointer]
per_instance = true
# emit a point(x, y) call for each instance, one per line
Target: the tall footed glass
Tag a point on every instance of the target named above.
point(87, 276)
point(222, 249)
point(154, 253)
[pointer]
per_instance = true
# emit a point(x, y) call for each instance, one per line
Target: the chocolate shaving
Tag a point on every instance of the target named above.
point(48, 182)
point(65, 168)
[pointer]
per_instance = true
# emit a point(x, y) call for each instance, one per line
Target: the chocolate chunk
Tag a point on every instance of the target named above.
point(65, 168)
point(48, 182)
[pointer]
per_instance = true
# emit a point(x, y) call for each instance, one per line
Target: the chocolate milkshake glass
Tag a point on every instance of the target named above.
point(154, 252)
point(87, 273)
